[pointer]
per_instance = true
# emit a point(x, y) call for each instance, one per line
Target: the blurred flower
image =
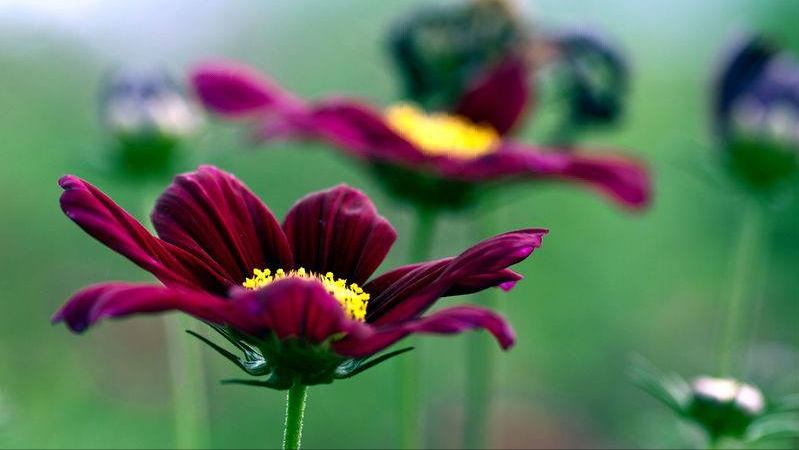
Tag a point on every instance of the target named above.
point(294, 299)
point(148, 115)
point(595, 75)
point(725, 408)
point(440, 50)
point(441, 159)
point(756, 113)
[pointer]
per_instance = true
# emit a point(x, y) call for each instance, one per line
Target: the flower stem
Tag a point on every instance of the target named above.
point(408, 366)
point(184, 358)
point(745, 264)
point(295, 409)
point(189, 401)
point(479, 357)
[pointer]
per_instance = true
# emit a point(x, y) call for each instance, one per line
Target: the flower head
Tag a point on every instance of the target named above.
point(595, 74)
point(440, 49)
point(725, 408)
point(148, 115)
point(756, 113)
point(296, 299)
point(441, 158)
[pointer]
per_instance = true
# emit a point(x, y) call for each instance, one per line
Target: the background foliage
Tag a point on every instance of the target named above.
point(605, 286)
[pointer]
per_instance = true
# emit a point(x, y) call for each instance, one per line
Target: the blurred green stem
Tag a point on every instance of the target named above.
point(295, 410)
point(187, 377)
point(408, 366)
point(745, 262)
point(479, 356)
point(187, 383)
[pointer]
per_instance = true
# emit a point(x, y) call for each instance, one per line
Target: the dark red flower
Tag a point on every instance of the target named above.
point(464, 147)
point(299, 292)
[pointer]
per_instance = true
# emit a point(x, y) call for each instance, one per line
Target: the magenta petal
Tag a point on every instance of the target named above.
point(212, 215)
point(350, 125)
point(414, 292)
point(294, 307)
point(622, 179)
point(94, 303)
point(500, 98)
point(447, 321)
point(103, 219)
point(338, 230)
point(404, 281)
point(233, 90)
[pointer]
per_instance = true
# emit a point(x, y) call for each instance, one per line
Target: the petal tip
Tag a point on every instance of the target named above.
point(508, 285)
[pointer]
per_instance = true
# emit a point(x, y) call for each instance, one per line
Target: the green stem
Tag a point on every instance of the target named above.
point(745, 264)
point(408, 365)
point(184, 359)
point(295, 409)
point(479, 357)
point(187, 384)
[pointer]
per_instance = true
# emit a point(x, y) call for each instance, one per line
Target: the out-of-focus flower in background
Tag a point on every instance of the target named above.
point(440, 50)
point(725, 408)
point(756, 113)
point(433, 159)
point(147, 115)
point(290, 297)
point(593, 78)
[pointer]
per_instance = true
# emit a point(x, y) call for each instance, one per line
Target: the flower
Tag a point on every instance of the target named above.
point(725, 408)
point(438, 50)
point(148, 115)
point(441, 158)
point(294, 298)
point(756, 113)
point(595, 74)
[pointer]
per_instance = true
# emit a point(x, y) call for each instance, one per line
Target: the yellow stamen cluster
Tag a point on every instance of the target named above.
point(351, 297)
point(442, 134)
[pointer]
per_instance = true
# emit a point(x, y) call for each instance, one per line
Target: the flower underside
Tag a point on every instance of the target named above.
point(351, 297)
point(441, 134)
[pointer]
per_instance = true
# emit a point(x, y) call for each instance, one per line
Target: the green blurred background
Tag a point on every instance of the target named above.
point(605, 286)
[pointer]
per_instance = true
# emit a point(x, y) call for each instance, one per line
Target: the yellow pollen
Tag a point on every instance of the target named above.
point(441, 134)
point(351, 297)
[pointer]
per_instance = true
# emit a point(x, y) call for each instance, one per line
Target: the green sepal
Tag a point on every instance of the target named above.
point(670, 389)
point(255, 367)
point(249, 353)
point(771, 426)
point(275, 381)
point(355, 366)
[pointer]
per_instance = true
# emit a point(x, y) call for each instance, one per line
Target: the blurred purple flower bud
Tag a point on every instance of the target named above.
point(756, 112)
point(148, 115)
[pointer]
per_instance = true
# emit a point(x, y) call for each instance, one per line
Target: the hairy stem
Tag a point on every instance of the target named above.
point(295, 410)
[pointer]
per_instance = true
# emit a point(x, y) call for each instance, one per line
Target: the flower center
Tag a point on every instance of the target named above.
point(351, 297)
point(441, 134)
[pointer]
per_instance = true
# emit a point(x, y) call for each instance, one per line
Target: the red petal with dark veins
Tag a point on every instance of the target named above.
point(235, 90)
point(212, 215)
point(377, 287)
point(338, 230)
point(622, 179)
point(447, 321)
point(500, 98)
point(103, 219)
point(414, 292)
point(111, 300)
